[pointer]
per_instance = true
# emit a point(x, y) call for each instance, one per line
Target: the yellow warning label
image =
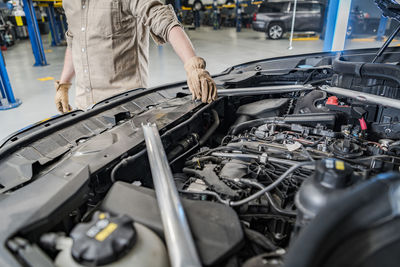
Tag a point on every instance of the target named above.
point(19, 21)
point(339, 165)
point(106, 232)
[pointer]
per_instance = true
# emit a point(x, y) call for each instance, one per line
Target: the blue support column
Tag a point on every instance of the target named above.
point(382, 28)
point(64, 24)
point(238, 16)
point(7, 100)
point(34, 34)
point(336, 25)
point(53, 25)
point(178, 7)
point(196, 18)
point(60, 24)
point(215, 14)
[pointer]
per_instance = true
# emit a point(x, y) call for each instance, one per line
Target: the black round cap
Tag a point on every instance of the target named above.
point(103, 240)
point(333, 173)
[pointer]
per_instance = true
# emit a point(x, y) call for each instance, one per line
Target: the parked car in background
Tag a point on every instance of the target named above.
point(199, 4)
point(275, 18)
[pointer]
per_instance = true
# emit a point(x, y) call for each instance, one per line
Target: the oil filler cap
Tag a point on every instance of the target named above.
point(103, 240)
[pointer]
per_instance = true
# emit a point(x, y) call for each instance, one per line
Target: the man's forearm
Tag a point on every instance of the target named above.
point(181, 44)
point(68, 72)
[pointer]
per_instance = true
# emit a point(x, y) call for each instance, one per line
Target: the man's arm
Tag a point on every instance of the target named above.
point(200, 82)
point(165, 27)
point(68, 71)
point(181, 44)
point(63, 85)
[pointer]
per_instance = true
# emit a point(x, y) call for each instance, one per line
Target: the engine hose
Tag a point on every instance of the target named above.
point(125, 162)
point(203, 139)
point(131, 159)
point(212, 129)
point(271, 201)
point(271, 186)
point(208, 193)
point(375, 70)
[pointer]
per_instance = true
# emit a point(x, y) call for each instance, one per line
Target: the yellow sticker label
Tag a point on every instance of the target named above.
point(106, 232)
point(339, 165)
point(19, 21)
point(102, 216)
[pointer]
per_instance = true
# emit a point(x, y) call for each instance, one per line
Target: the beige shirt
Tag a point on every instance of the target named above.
point(110, 44)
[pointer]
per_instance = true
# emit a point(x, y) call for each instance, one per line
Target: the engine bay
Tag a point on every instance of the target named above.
point(253, 172)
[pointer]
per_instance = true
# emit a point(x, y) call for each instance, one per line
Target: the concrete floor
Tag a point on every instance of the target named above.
point(221, 49)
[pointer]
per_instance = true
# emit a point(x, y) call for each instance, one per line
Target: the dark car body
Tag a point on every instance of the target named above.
point(309, 16)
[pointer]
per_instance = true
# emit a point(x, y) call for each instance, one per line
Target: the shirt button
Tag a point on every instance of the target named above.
point(83, 50)
point(83, 29)
point(84, 6)
point(87, 90)
point(85, 70)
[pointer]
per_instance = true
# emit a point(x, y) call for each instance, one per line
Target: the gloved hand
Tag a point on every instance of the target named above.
point(199, 80)
point(62, 97)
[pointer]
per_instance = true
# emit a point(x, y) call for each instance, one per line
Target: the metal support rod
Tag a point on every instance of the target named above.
point(386, 44)
point(181, 247)
point(293, 23)
point(178, 9)
point(64, 25)
point(53, 25)
point(34, 34)
point(238, 16)
point(196, 18)
point(215, 14)
point(7, 99)
point(278, 89)
point(363, 97)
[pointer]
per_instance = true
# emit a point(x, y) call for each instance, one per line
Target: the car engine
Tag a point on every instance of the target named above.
point(303, 173)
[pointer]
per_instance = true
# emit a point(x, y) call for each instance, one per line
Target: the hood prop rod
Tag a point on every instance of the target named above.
point(181, 248)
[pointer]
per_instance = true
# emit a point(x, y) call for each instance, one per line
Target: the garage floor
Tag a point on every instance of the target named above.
point(221, 49)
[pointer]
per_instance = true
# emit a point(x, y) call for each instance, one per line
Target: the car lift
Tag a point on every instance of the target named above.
point(7, 99)
point(238, 5)
point(382, 28)
point(55, 25)
point(34, 34)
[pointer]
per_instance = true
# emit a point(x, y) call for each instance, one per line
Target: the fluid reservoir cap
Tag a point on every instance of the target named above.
point(333, 173)
point(103, 240)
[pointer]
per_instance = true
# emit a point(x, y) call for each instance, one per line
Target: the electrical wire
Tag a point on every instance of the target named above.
point(271, 186)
